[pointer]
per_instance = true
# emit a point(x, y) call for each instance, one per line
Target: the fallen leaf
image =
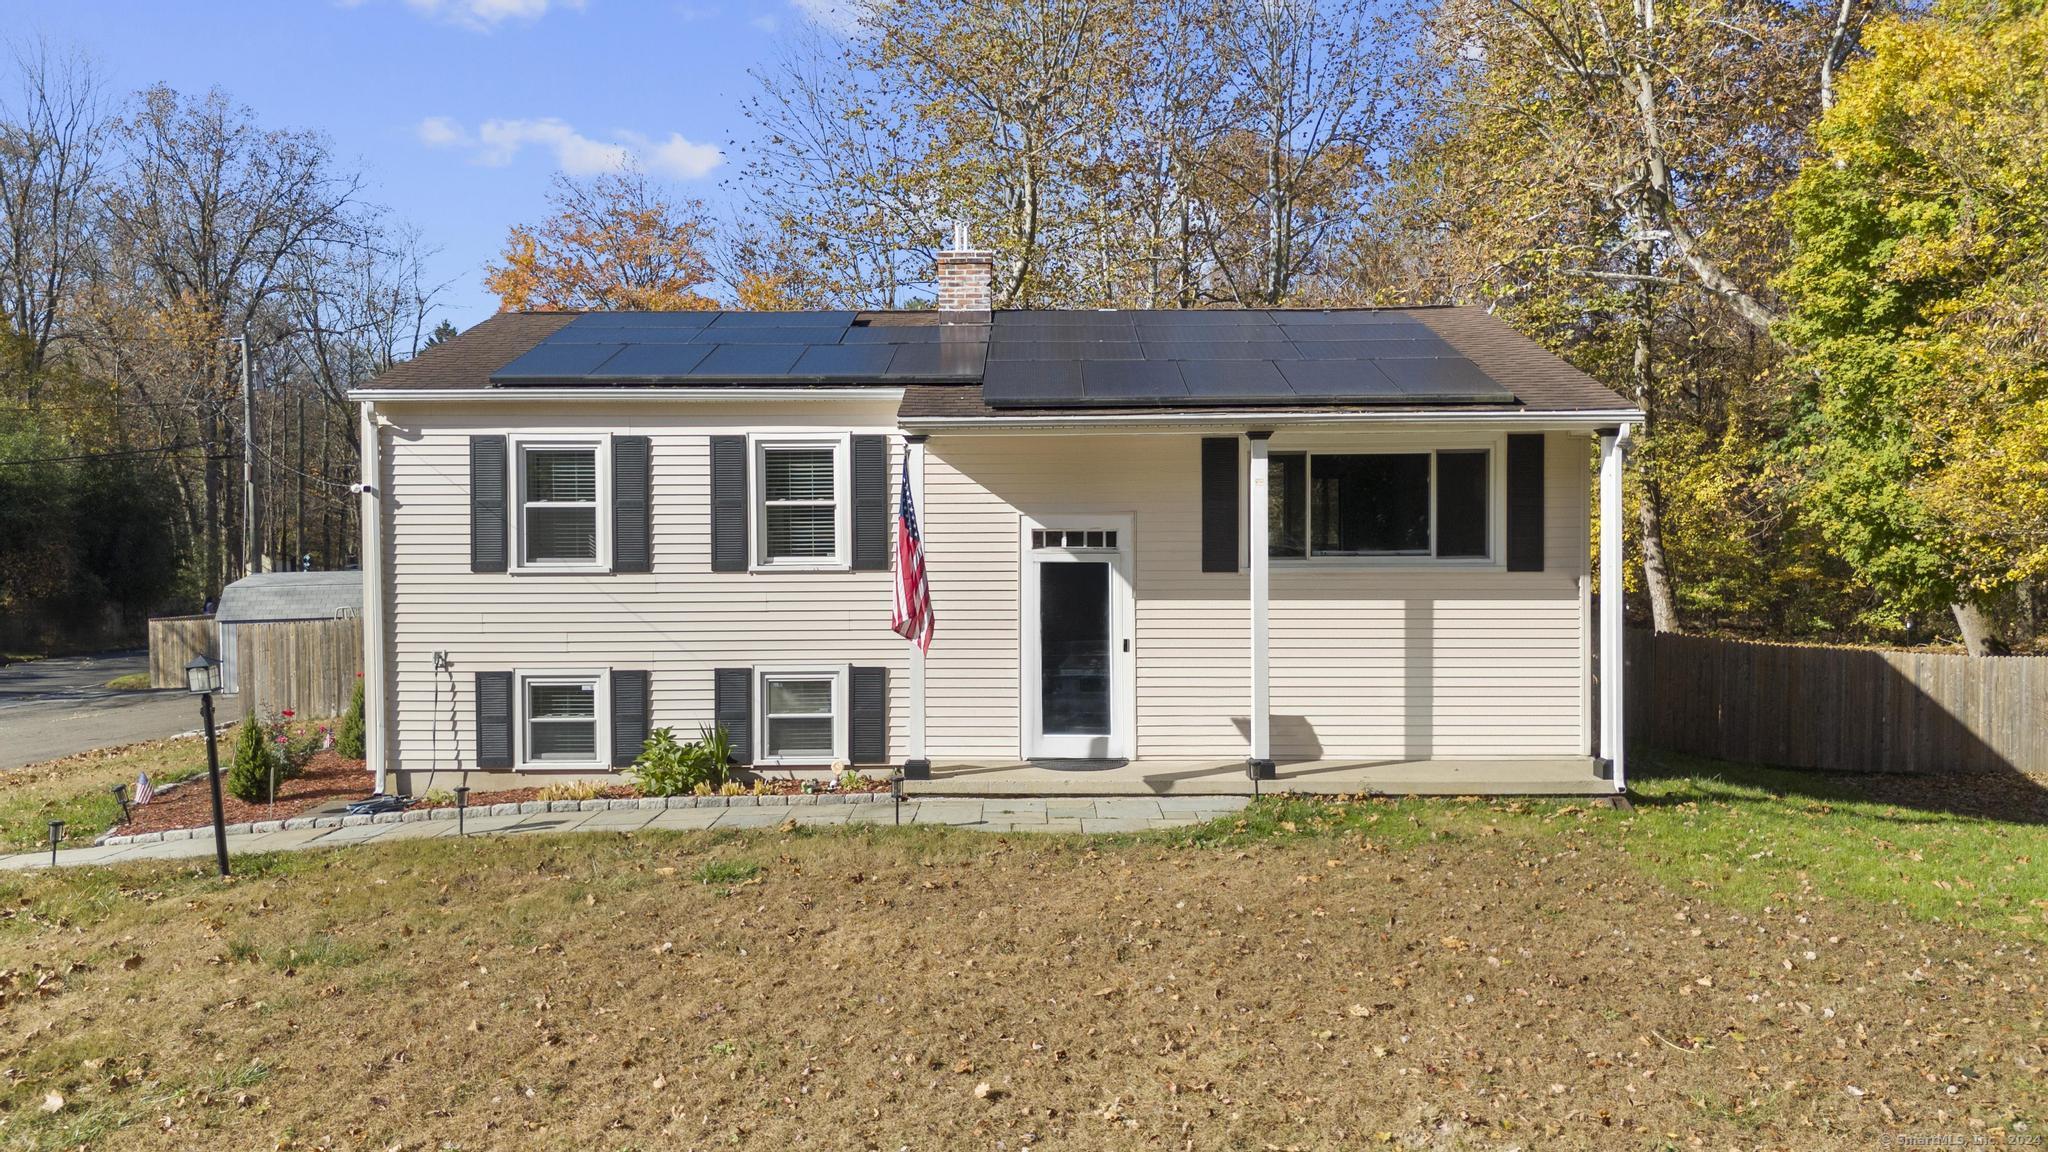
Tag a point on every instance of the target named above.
point(131, 963)
point(53, 1103)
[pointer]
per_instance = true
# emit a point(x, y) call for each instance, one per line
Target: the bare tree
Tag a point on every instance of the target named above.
point(53, 136)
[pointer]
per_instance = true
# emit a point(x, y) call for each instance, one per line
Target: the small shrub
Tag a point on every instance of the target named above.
point(572, 790)
point(732, 788)
point(850, 781)
point(668, 767)
point(438, 798)
point(258, 764)
point(349, 741)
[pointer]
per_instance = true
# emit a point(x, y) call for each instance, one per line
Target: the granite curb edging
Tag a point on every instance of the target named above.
point(527, 808)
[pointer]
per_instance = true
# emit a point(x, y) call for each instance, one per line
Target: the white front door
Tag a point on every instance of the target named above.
point(1077, 624)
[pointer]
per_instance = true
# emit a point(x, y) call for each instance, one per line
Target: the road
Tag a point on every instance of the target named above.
point(52, 708)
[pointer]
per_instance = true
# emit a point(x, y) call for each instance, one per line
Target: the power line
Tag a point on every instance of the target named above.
point(160, 449)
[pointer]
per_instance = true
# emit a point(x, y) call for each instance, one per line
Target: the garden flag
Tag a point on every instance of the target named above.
point(911, 617)
point(143, 792)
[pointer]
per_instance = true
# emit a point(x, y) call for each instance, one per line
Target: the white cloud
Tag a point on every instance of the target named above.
point(841, 16)
point(496, 143)
point(767, 22)
point(485, 15)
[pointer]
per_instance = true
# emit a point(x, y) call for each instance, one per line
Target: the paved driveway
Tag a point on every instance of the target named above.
point(52, 708)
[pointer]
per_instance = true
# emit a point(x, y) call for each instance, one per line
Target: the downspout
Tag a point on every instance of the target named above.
point(371, 552)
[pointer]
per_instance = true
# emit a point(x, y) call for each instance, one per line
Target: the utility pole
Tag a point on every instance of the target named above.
point(252, 543)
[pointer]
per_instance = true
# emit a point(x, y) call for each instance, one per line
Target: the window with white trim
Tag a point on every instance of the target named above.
point(1381, 504)
point(563, 486)
point(802, 714)
point(561, 720)
point(801, 502)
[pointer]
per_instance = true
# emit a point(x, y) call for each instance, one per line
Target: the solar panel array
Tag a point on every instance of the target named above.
point(1029, 359)
point(749, 347)
point(1193, 358)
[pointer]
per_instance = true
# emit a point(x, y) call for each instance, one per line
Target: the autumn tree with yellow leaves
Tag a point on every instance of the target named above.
point(615, 241)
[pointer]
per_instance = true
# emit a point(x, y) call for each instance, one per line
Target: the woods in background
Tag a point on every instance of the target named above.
point(139, 238)
point(1806, 236)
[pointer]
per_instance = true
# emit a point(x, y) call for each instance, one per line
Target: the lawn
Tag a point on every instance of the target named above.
point(1747, 960)
point(78, 789)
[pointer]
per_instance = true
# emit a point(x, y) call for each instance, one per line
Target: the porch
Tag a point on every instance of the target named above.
point(1564, 776)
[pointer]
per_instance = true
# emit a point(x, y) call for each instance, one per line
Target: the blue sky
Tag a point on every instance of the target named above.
point(457, 111)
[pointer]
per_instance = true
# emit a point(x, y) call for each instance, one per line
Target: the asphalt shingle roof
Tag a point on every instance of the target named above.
point(291, 596)
point(1540, 381)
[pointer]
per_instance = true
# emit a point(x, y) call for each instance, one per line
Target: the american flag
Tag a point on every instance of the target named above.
point(143, 792)
point(911, 616)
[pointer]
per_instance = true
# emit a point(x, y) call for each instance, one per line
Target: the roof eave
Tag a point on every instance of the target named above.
point(1574, 420)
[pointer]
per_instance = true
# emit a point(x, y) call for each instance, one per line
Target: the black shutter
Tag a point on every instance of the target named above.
point(494, 719)
point(728, 503)
point(870, 504)
point(867, 717)
point(732, 707)
point(629, 716)
point(631, 550)
point(1525, 502)
point(1219, 503)
point(487, 503)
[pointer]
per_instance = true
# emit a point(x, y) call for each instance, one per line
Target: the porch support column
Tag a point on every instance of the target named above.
point(916, 765)
point(371, 551)
point(1259, 766)
point(1613, 740)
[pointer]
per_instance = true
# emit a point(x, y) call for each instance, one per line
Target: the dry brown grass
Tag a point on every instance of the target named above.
point(1514, 988)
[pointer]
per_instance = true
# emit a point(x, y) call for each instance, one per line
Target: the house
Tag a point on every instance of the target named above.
point(1340, 549)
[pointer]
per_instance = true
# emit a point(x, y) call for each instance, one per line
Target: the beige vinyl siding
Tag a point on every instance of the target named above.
point(1191, 627)
point(679, 622)
point(1368, 660)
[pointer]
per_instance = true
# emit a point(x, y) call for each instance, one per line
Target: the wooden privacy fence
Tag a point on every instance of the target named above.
point(1851, 709)
point(173, 642)
point(308, 666)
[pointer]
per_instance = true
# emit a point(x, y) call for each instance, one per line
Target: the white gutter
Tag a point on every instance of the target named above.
point(1575, 421)
point(731, 394)
point(375, 696)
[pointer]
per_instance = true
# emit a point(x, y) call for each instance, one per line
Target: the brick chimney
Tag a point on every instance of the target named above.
point(966, 276)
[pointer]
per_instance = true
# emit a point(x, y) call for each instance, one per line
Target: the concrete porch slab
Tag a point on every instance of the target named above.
point(1568, 776)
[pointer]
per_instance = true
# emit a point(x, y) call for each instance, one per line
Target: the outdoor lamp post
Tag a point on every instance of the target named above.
point(202, 677)
point(461, 807)
point(56, 834)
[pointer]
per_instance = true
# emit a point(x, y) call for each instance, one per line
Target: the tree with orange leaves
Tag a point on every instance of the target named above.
point(612, 242)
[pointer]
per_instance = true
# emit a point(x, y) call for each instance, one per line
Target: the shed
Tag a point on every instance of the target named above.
point(292, 640)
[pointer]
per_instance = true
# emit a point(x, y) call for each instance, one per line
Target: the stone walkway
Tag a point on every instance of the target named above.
point(1077, 815)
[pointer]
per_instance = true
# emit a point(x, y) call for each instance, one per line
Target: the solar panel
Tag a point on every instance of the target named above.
point(893, 334)
point(1327, 380)
point(1017, 384)
point(1132, 381)
point(1443, 378)
point(1031, 359)
point(857, 361)
point(1369, 349)
point(749, 320)
point(550, 361)
point(735, 360)
point(655, 361)
point(1184, 349)
point(1015, 349)
point(1250, 381)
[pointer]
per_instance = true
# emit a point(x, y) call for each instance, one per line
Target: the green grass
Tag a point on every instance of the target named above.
point(1754, 836)
point(1743, 835)
point(132, 682)
point(726, 872)
point(79, 789)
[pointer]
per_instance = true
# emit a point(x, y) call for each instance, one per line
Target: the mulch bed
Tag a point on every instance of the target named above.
point(327, 778)
point(783, 787)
